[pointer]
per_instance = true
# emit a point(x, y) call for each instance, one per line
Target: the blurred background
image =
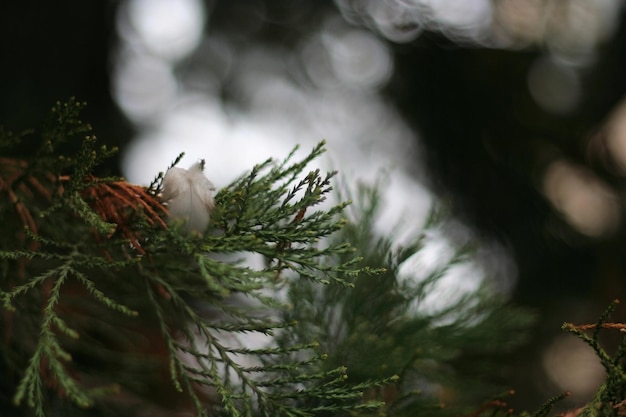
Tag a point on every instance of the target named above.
point(510, 112)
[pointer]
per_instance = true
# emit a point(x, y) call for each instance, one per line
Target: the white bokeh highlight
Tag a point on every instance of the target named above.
point(169, 29)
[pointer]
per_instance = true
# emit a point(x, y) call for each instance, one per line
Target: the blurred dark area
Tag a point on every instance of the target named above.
point(51, 52)
point(488, 144)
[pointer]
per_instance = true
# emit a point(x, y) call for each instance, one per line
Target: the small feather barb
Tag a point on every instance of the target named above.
point(188, 195)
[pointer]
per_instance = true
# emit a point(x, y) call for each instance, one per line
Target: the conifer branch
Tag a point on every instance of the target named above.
point(101, 276)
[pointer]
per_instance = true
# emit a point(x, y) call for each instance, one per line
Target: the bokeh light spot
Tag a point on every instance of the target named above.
point(616, 137)
point(587, 204)
point(556, 88)
point(136, 76)
point(459, 18)
point(573, 366)
point(360, 59)
point(168, 28)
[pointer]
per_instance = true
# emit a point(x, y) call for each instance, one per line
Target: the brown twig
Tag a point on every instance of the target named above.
point(619, 326)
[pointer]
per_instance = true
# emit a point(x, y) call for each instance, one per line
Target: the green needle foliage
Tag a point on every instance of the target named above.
point(439, 361)
point(287, 305)
point(107, 309)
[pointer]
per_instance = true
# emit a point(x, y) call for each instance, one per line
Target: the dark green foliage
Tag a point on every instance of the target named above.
point(440, 359)
point(107, 311)
point(105, 306)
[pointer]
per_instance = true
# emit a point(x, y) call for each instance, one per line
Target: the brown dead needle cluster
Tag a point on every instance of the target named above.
point(116, 202)
point(119, 202)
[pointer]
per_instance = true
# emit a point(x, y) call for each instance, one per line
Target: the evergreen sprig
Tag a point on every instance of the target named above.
point(374, 330)
point(107, 309)
point(610, 398)
point(93, 278)
point(262, 214)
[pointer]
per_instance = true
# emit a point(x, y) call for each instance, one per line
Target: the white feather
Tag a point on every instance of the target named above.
point(189, 196)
